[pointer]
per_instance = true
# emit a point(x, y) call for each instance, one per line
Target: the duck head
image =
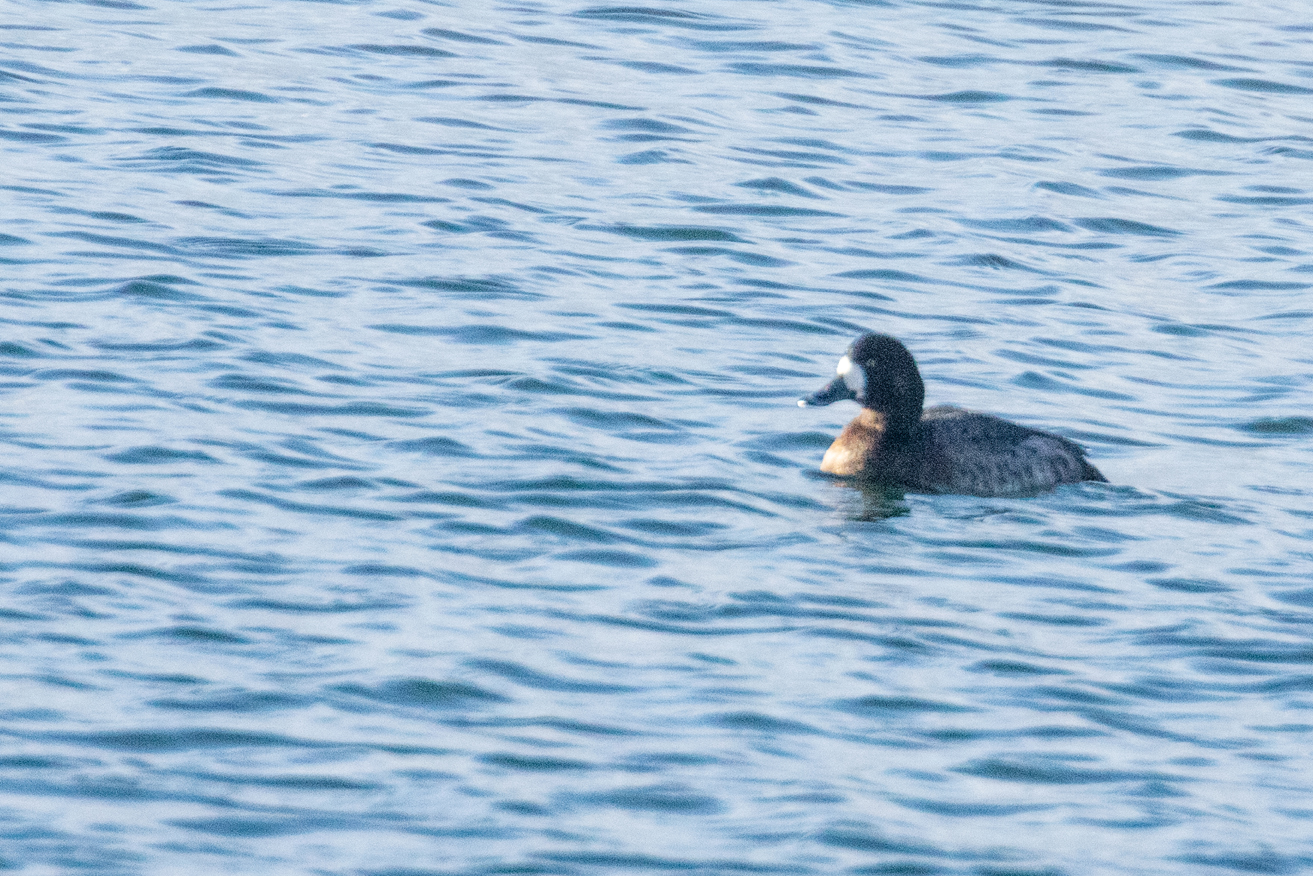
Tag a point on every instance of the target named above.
point(879, 373)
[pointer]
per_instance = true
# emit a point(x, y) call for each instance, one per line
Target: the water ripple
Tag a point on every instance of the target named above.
point(399, 406)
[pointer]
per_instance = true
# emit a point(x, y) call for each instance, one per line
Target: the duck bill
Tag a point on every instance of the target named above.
point(836, 390)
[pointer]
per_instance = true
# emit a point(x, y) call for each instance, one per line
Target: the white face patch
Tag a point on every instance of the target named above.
point(854, 377)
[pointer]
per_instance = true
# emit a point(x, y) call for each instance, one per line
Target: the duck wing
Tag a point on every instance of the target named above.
point(957, 451)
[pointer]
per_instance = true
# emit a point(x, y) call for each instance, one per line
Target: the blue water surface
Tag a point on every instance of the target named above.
point(400, 471)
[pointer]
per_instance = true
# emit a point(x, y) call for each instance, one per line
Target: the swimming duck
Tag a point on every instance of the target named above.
point(944, 449)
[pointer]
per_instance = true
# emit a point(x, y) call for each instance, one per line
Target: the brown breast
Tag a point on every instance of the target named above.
point(854, 451)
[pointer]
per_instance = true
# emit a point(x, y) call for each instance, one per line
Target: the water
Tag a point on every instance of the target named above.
point(401, 472)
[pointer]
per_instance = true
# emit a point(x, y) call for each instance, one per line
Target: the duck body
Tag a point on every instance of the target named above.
point(942, 449)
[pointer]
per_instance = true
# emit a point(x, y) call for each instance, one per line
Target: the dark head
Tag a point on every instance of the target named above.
point(878, 372)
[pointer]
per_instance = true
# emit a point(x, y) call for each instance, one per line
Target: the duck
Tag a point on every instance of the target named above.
point(943, 449)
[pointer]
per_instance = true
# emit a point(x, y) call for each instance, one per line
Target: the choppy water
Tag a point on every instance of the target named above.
point(401, 473)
